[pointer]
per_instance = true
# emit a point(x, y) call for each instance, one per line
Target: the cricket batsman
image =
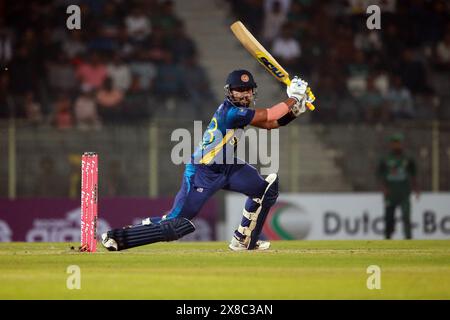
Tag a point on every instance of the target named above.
point(213, 167)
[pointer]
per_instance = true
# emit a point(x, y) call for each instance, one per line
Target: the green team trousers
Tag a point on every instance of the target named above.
point(389, 216)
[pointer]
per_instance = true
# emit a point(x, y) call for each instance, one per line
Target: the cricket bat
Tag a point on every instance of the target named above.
point(263, 56)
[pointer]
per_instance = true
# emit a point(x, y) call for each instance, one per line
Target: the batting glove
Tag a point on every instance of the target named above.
point(296, 87)
point(298, 91)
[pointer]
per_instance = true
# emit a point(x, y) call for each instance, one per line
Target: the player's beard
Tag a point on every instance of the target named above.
point(242, 98)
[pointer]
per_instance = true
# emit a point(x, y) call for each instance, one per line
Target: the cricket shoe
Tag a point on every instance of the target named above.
point(236, 245)
point(109, 243)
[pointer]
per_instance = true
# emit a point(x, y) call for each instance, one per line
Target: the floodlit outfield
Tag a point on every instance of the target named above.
point(208, 270)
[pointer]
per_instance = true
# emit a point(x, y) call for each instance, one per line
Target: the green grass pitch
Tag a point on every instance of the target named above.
point(208, 270)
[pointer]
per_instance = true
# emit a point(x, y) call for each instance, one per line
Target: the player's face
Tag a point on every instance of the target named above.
point(243, 96)
point(396, 146)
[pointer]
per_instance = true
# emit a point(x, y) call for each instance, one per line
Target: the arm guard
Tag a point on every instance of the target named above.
point(286, 119)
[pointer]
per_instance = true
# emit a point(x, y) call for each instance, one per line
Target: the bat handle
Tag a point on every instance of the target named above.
point(310, 95)
point(310, 106)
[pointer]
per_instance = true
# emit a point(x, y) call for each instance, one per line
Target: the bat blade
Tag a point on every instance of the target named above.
point(261, 54)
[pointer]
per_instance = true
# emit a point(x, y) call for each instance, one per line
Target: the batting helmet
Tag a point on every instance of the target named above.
point(240, 79)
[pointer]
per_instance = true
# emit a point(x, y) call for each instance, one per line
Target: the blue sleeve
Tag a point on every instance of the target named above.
point(239, 117)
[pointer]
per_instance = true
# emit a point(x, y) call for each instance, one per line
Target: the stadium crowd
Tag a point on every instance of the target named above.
point(130, 57)
point(398, 72)
point(127, 58)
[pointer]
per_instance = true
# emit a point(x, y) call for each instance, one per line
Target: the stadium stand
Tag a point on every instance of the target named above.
point(134, 71)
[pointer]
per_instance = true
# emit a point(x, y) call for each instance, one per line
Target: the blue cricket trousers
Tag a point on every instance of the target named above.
point(200, 182)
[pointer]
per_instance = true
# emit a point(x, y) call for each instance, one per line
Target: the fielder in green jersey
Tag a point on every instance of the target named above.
point(396, 172)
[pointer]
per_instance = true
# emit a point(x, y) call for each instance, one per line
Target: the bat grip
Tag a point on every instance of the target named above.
point(310, 95)
point(310, 106)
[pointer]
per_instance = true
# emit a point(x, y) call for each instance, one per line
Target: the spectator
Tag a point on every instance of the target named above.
point(136, 105)
point(120, 73)
point(356, 6)
point(124, 46)
point(300, 17)
point(373, 104)
point(74, 46)
point(157, 48)
point(168, 82)
point(254, 13)
point(368, 41)
point(274, 19)
point(381, 81)
point(412, 72)
point(96, 7)
point(198, 90)
point(358, 67)
point(399, 100)
point(285, 5)
point(109, 101)
point(443, 53)
point(61, 74)
point(167, 20)
point(440, 16)
point(138, 25)
point(182, 47)
point(100, 42)
point(250, 12)
point(110, 20)
point(93, 73)
point(145, 71)
point(286, 48)
point(62, 117)
point(32, 109)
point(86, 111)
point(357, 71)
point(6, 44)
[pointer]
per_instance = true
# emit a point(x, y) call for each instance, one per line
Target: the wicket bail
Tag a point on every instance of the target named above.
point(89, 198)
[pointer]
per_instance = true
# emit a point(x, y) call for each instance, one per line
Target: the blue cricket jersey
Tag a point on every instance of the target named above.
point(222, 133)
